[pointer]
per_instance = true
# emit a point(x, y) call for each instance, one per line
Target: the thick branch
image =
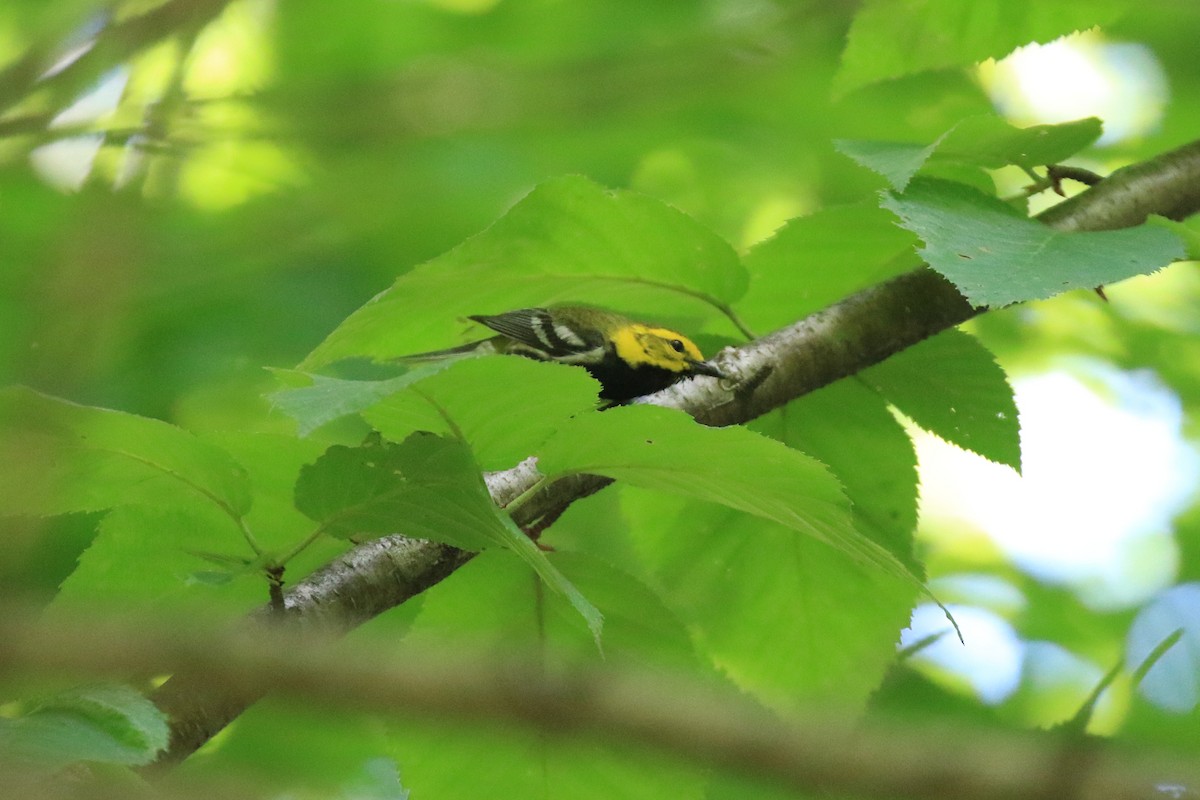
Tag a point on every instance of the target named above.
point(855, 333)
point(861, 330)
point(370, 579)
point(1168, 186)
point(354, 588)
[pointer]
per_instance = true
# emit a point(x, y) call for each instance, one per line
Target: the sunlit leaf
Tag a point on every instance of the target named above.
point(525, 763)
point(662, 449)
point(503, 406)
point(816, 260)
point(893, 38)
point(951, 386)
point(833, 626)
point(325, 752)
point(984, 141)
point(990, 141)
point(568, 241)
point(492, 602)
point(325, 399)
point(427, 486)
point(379, 780)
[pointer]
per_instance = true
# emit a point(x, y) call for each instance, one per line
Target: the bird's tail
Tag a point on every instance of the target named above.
point(482, 347)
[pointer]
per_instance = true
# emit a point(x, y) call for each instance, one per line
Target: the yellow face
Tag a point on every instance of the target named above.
point(657, 347)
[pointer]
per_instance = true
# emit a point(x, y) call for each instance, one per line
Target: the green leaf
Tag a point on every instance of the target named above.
point(146, 558)
point(893, 38)
point(992, 142)
point(896, 161)
point(569, 240)
point(977, 178)
point(788, 619)
point(325, 399)
point(951, 386)
point(1187, 230)
point(427, 487)
point(663, 449)
point(524, 763)
point(378, 780)
point(816, 260)
point(109, 724)
point(324, 749)
point(273, 462)
point(984, 141)
point(598, 527)
point(81, 458)
point(491, 605)
point(503, 406)
point(156, 557)
point(850, 429)
point(996, 257)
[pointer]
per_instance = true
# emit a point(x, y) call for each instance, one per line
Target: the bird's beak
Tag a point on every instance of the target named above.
point(705, 368)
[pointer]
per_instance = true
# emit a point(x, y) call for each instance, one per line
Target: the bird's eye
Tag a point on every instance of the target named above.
point(676, 345)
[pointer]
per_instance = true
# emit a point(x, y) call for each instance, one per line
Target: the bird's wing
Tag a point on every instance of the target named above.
point(535, 328)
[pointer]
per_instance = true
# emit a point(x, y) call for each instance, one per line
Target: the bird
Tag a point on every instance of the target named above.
point(628, 358)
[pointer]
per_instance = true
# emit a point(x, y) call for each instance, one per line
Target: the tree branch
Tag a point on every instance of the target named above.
point(814, 753)
point(115, 44)
point(849, 336)
point(1167, 186)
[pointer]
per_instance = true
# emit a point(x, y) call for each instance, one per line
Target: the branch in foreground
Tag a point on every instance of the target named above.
point(849, 336)
point(815, 753)
point(352, 589)
point(116, 42)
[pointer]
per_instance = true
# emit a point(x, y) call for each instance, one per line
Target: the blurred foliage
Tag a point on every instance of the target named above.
point(193, 192)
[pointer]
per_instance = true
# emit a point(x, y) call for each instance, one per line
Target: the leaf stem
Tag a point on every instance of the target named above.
point(1158, 652)
point(302, 545)
point(443, 413)
point(248, 535)
point(1078, 723)
point(514, 505)
point(919, 645)
point(1033, 176)
point(724, 308)
point(736, 320)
